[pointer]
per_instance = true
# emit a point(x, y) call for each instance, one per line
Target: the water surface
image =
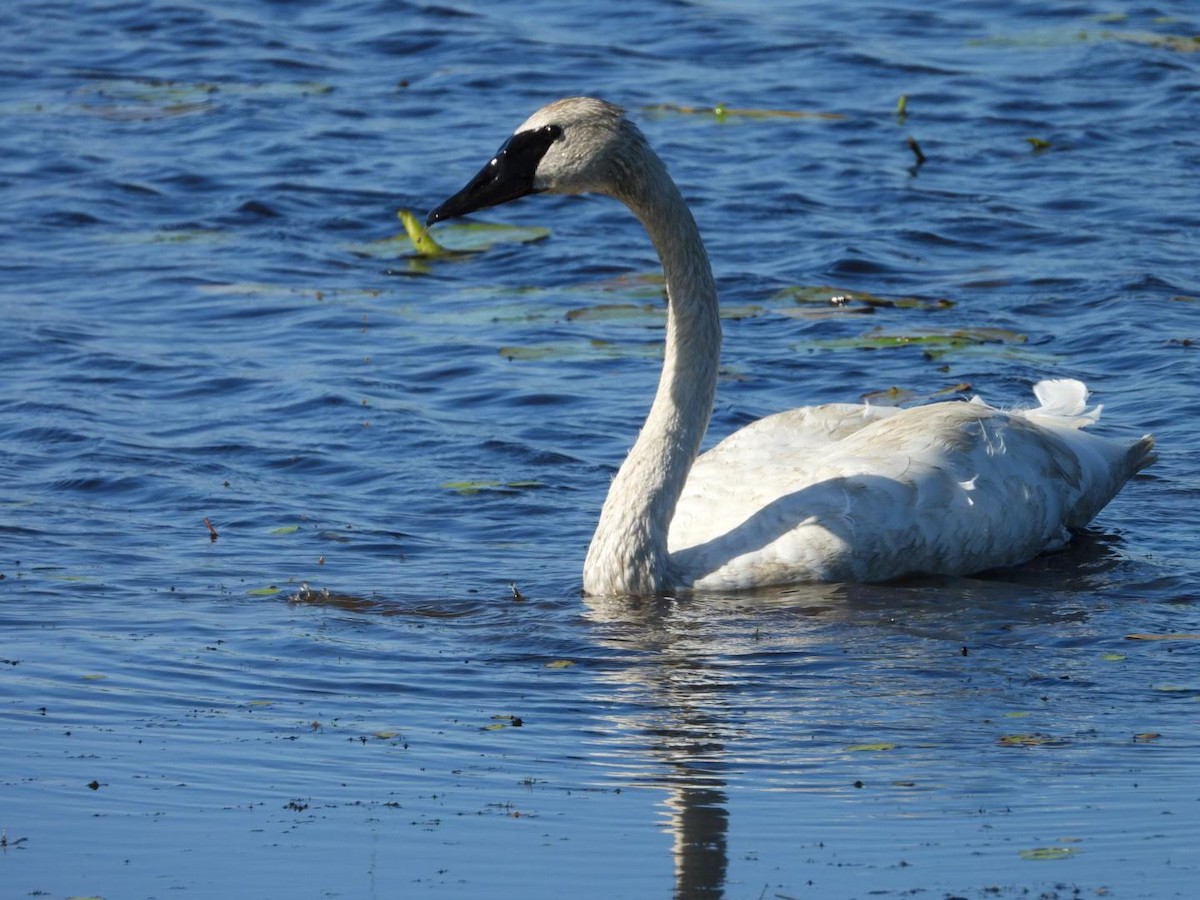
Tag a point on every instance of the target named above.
point(380, 679)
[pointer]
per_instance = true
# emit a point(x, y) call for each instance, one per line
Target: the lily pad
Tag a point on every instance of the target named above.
point(611, 311)
point(932, 342)
point(1060, 38)
point(1176, 636)
point(1041, 854)
point(849, 301)
point(1030, 740)
point(594, 349)
point(470, 488)
point(262, 289)
point(893, 396)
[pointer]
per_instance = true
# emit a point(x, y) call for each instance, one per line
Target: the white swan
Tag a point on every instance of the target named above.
point(829, 493)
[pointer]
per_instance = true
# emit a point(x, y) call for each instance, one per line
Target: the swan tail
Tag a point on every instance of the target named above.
point(1141, 453)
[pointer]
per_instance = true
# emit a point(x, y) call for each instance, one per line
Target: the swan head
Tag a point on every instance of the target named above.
point(571, 146)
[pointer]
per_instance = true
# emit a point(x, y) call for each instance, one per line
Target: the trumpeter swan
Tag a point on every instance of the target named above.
point(840, 492)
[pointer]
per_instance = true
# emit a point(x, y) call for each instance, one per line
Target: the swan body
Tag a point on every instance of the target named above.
point(841, 492)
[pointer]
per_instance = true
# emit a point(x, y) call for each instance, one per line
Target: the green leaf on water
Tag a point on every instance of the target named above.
point(893, 396)
point(878, 747)
point(1114, 657)
point(263, 591)
point(1030, 740)
point(144, 99)
point(1054, 39)
point(419, 235)
point(1038, 144)
point(455, 240)
point(849, 301)
point(560, 664)
point(721, 112)
point(611, 311)
point(285, 529)
point(1173, 636)
point(1048, 853)
point(932, 342)
point(593, 349)
point(470, 488)
point(1018, 714)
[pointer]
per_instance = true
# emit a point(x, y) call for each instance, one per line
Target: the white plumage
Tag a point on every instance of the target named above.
point(841, 492)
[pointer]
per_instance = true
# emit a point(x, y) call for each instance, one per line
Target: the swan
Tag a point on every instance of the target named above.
point(839, 492)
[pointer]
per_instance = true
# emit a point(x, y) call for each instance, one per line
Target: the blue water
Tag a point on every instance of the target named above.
point(205, 316)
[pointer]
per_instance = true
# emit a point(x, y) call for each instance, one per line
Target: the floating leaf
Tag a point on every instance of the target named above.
point(199, 236)
point(263, 591)
point(1038, 144)
point(610, 311)
point(593, 349)
point(932, 342)
point(142, 99)
point(1030, 740)
point(871, 748)
point(454, 240)
point(1054, 39)
point(469, 488)
point(256, 289)
point(422, 242)
point(1019, 714)
point(560, 664)
point(1113, 657)
point(721, 112)
point(1048, 853)
point(1178, 636)
point(504, 721)
point(833, 299)
point(893, 396)
point(386, 735)
point(1146, 737)
point(285, 529)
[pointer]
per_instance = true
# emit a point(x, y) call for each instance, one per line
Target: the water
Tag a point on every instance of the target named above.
point(198, 324)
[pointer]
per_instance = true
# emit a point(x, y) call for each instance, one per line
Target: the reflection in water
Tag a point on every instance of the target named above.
point(700, 660)
point(684, 683)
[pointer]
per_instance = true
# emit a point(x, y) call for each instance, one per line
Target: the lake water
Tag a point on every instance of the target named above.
point(380, 680)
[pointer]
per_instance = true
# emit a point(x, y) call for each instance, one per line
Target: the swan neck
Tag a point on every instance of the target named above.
point(629, 552)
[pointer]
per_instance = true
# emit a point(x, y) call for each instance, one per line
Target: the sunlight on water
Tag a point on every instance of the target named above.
point(292, 515)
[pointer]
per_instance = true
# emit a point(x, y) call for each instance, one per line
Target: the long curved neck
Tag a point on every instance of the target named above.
point(628, 553)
